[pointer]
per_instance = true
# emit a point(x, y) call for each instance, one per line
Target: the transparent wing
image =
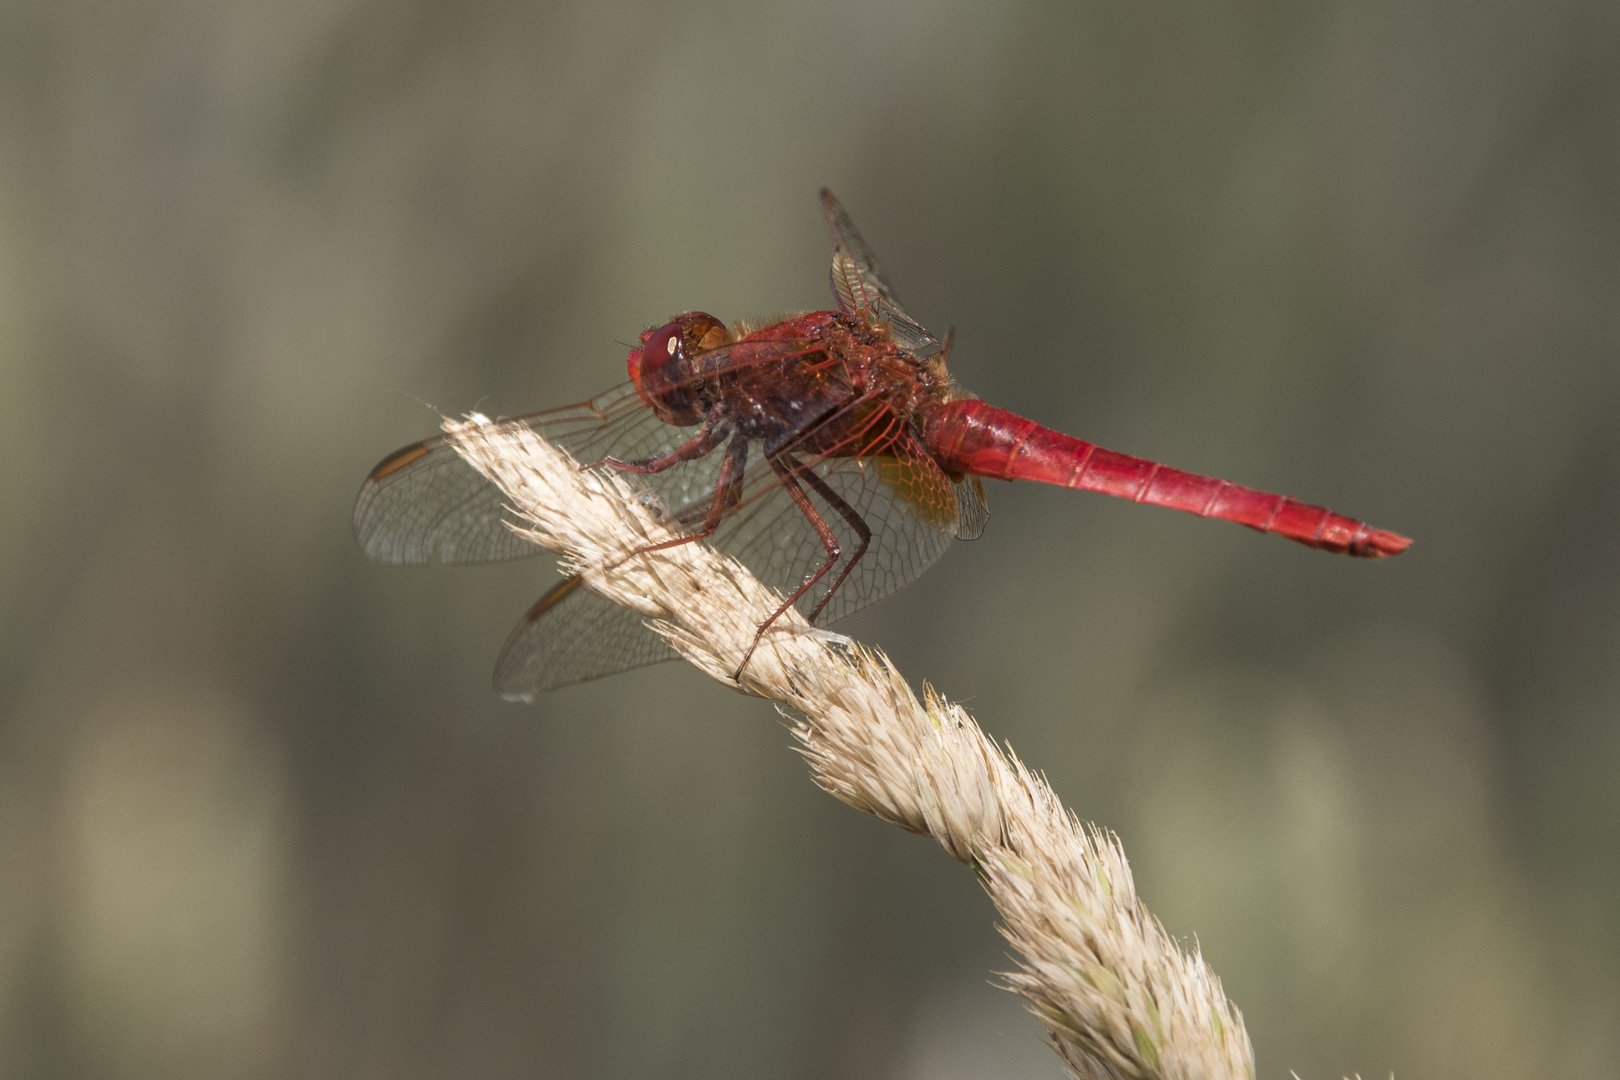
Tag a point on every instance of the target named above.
point(901, 496)
point(909, 506)
point(424, 503)
point(573, 635)
point(973, 510)
point(860, 286)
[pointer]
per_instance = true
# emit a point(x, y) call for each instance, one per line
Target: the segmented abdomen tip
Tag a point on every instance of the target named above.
point(1381, 544)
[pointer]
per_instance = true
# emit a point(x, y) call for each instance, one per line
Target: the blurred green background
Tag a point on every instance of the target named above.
point(261, 814)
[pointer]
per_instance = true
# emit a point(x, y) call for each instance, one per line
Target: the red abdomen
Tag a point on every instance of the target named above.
point(982, 440)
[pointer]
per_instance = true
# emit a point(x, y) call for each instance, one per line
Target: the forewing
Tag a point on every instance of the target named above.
point(573, 635)
point(860, 286)
point(424, 503)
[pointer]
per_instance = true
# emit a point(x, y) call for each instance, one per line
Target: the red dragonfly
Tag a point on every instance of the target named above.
point(831, 453)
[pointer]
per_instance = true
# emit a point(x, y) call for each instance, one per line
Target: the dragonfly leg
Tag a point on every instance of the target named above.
point(856, 522)
point(697, 446)
point(727, 493)
point(829, 541)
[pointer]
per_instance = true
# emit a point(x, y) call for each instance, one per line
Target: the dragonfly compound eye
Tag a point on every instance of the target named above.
point(659, 371)
point(663, 371)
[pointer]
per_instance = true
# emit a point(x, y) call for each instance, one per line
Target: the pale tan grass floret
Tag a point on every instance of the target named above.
point(1118, 996)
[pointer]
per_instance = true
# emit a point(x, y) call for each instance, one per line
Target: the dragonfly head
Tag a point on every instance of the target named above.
point(662, 371)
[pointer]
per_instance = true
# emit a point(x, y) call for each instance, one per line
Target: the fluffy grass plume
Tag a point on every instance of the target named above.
point(1117, 995)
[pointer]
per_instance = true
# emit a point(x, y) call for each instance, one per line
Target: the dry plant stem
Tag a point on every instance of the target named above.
point(1119, 997)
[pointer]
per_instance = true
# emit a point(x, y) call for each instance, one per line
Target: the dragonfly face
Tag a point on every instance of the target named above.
point(661, 368)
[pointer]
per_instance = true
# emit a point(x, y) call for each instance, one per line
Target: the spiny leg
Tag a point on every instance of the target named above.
point(828, 541)
point(727, 493)
point(856, 522)
point(699, 445)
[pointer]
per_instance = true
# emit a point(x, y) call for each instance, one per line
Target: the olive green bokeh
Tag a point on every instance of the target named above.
point(261, 814)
